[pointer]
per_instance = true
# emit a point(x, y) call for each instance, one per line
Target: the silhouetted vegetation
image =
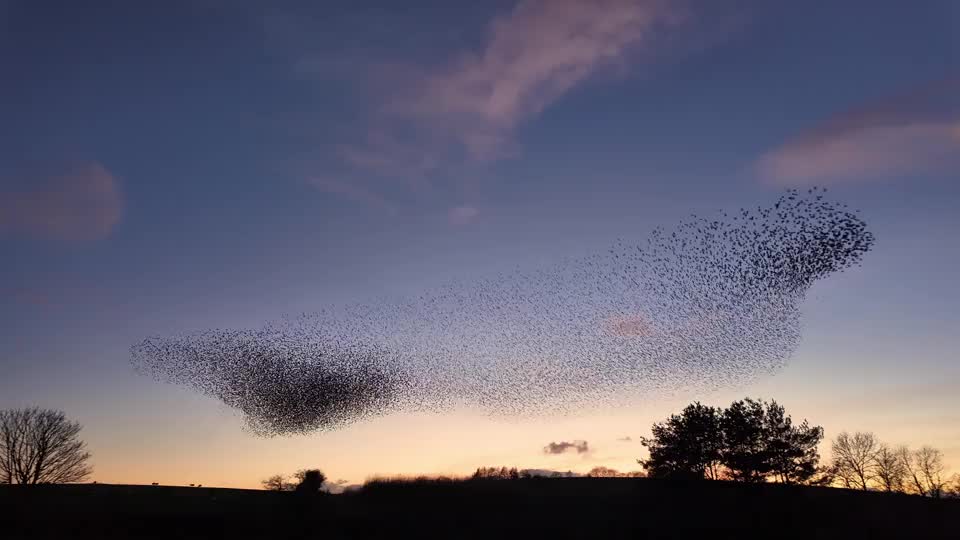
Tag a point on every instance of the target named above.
point(607, 472)
point(854, 459)
point(277, 482)
point(686, 446)
point(41, 446)
point(861, 461)
point(756, 441)
point(750, 441)
point(307, 481)
point(890, 471)
point(311, 481)
point(746, 448)
point(926, 469)
point(499, 473)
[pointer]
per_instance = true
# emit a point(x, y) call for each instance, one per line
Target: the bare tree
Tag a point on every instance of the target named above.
point(924, 469)
point(41, 446)
point(890, 471)
point(276, 482)
point(854, 459)
point(930, 461)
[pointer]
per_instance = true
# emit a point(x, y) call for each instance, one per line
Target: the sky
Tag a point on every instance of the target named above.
point(174, 166)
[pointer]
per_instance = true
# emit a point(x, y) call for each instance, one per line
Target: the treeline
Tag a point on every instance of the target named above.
point(307, 481)
point(752, 441)
point(756, 441)
point(862, 461)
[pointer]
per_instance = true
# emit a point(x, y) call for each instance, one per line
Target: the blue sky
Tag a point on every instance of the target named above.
point(217, 164)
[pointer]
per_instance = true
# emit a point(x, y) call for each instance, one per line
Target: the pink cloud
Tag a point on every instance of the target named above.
point(532, 57)
point(915, 132)
point(462, 215)
point(81, 203)
point(435, 121)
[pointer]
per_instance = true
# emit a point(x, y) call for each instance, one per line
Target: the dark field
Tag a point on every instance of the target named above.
point(526, 508)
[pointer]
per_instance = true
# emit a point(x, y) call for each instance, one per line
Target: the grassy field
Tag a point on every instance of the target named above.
point(526, 508)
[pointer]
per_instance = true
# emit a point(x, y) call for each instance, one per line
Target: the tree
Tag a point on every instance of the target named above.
point(750, 441)
point(685, 446)
point(854, 459)
point(277, 482)
point(791, 449)
point(500, 473)
point(890, 470)
point(924, 470)
point(41, 446)
point(760, 441)
point(930, 462)
point(744, 442)
point(311, 480)
point(603, 472)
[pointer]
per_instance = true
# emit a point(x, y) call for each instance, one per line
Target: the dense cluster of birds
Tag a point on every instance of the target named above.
point(711, 303)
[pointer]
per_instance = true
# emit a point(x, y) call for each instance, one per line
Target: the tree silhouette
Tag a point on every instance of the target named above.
point(891, 472)
point(925, 470)
point(276, 482)
point(750, 441)
point(686, 445)
point(311, 481)
point(498, 473)
point(790, 450)
point(743, 444)
point(41, 446)
point(854, 459)
point(604, 472)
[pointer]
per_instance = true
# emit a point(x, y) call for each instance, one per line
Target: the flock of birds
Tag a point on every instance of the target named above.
point(712, 303)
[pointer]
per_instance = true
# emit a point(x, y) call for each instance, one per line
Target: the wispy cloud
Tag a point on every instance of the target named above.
point(532, 57)
point(464, 111)
point(81, 203)
point(352, 192)
point(580, 447)
point(918, 131)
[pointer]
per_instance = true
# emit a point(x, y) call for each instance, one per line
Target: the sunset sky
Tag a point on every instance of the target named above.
point(172, 166)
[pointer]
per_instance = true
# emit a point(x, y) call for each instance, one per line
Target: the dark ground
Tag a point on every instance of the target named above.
point(526, 508)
